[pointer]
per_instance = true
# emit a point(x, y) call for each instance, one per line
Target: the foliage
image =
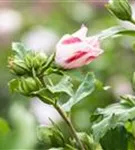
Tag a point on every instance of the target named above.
point(85, 89)
point(111, 117)
point(110, 128)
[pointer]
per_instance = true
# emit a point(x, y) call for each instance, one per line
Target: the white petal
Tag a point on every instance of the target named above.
point(93, 41)
point(64, 52)
point(81, 33)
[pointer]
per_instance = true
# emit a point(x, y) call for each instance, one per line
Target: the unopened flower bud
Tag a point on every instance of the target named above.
point(87, 140)
point(35, 60)
point(28, 85)
point(128, 97)
point(120, 8)
point(17, 66)
point(128, 100)
point(51, 136)
point(77, 50)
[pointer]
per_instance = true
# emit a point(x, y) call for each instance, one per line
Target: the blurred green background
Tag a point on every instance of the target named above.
point(39, 25)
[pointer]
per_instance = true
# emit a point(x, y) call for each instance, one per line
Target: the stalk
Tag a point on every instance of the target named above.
point(68, 122)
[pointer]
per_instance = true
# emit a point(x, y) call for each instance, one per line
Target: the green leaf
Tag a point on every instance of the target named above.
point(110, 117)
point(64, 85)
point(19, 49)
point(130, 127)
point(115, 139)
point(85, 89)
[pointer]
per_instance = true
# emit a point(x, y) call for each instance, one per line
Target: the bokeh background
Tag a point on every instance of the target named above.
point(39, 25)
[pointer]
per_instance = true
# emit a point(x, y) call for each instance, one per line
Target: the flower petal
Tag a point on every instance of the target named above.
point(93, 41)
point(71, 40)
point(76, 50)
point(76, 56)
point(81, 33)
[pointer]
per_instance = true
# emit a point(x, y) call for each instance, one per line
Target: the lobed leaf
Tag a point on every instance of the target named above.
point(115, 139)
point(110, 117)
point(85, 89)
point(19, 49)
point(64, 85)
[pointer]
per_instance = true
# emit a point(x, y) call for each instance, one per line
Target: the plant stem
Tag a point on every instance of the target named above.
point(67, 120)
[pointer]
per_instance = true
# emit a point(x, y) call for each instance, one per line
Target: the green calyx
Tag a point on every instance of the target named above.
point(87, 141)
point(26, 86)
point(35, 60)
point(31, 60)
point(51, 136)
point(121, 9)
point(17, 66)
point(24, 61)
point(29, 85)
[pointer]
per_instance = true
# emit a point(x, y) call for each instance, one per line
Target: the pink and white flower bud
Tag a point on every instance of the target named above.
point(77, 50)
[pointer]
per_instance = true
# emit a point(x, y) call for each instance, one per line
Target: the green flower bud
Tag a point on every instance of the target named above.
point(128, 97)
point(128, 100)
point(44, 136)
point(87, 141)
point(35, 60)
point(51, 136)
point(120, 8)
point(28, 85)
point(17, 66)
